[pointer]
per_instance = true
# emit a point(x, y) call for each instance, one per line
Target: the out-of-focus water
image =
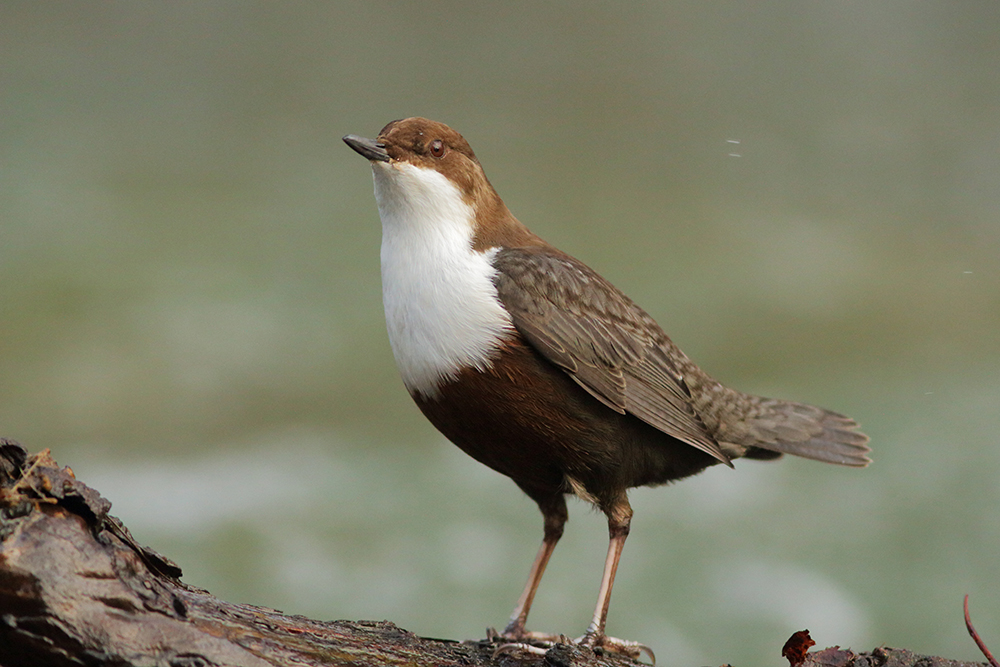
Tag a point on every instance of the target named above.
point(191, 307)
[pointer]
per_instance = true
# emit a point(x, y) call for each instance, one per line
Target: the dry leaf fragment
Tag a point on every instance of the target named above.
point(796, 647)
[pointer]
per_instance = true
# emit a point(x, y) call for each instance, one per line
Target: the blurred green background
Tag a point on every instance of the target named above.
point(190, 298)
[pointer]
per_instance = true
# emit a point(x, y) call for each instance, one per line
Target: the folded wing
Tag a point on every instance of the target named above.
point(597, 335)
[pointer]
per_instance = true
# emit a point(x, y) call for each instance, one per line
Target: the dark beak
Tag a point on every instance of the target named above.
point(372, 150)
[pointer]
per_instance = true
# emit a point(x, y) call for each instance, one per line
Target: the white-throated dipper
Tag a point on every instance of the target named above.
point(541, 369)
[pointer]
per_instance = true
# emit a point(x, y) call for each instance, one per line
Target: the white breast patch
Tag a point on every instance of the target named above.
point(441, 307)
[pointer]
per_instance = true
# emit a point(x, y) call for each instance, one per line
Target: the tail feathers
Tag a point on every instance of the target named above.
point(803, 430)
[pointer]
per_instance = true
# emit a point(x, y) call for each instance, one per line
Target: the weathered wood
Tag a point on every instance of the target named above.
point(77, 589)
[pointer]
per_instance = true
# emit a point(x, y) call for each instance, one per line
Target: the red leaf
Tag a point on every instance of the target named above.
point(796, 647)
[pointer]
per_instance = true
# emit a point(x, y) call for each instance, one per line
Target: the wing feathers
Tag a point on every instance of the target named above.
point(607, 344)
point(617, 353)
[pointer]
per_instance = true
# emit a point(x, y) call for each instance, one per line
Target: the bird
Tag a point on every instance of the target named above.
point(538, 367)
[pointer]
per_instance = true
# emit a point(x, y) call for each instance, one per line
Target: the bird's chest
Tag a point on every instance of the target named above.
point(441, 307)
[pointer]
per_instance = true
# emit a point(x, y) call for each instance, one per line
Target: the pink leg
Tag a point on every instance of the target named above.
point(555, 516)
point(619, 519)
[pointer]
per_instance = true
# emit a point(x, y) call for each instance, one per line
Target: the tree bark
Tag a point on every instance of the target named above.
point(77, 589)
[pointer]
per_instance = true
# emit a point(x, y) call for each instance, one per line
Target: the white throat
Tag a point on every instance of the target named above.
point(441, 307)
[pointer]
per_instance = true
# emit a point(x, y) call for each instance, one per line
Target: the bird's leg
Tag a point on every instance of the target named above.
point(619, 515)
point(555, 515)
point(619, 518)
point(515, 628)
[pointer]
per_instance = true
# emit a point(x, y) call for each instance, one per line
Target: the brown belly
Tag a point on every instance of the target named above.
point(529, 420)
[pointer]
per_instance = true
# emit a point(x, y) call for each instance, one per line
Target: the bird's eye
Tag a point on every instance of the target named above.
point(437, 148)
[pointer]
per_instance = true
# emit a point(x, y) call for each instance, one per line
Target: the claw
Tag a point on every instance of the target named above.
point(624, 647)
point(536, 643)
point(514, 647)
point(545, 638)
point(539, 643)
point(526, 636)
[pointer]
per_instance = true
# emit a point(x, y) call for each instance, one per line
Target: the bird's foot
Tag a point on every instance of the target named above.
point(516, 639)
point(624, 647)
point(540, 643)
